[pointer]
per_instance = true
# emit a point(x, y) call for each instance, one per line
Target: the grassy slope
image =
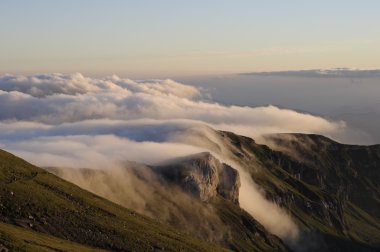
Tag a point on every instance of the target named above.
point(246, 233)
point(20, 239)
point(35, 199)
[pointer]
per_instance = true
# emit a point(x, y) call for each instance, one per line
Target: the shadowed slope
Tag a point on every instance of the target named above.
point(330, 189)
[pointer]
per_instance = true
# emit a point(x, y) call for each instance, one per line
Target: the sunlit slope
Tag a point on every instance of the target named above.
point(37, 200)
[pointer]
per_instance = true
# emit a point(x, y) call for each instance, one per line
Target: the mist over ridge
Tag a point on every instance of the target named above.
point(55, 113)
point(69, 120)
point(193, 126)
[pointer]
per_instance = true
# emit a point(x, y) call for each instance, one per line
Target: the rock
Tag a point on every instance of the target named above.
point(229, 183)
point(203, 176)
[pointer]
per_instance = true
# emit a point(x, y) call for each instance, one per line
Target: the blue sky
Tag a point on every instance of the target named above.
point(176, 37)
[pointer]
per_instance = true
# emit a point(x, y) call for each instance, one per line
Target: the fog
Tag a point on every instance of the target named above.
point(137, 187)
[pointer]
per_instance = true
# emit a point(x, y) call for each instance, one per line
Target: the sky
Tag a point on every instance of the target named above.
point(348, 95)
point(169, 38)
point(86, 83)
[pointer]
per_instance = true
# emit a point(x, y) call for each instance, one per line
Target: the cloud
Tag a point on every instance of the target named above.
point(42, 85)
point(322, 73)
point(75, 121)
point(97, 151)
point(74, 98)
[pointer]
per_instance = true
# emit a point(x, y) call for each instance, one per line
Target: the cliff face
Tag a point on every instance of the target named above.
point(350, 173)
point(203, 176)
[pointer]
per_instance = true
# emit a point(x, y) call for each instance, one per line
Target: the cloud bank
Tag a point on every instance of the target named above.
point(55, 99)
point(322, 73)
point(81, 112)
point(68, 120)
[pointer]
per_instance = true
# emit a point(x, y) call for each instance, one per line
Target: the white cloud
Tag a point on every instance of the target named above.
point(46, 107)
point(76, 121)
point(99, 151)
point(74, 98)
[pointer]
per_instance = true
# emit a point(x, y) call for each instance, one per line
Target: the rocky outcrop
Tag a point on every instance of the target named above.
point(203, 176)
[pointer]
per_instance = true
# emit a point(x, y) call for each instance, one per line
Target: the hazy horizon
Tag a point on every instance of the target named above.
point(168, 39)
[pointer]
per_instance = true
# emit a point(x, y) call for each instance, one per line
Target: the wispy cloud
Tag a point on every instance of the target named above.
point(323, 73)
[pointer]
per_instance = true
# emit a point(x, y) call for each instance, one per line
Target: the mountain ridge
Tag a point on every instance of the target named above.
point(314, 191)
point(329, 189)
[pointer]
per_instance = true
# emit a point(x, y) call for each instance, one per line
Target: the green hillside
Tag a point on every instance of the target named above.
point(16, 238)
point(41, 202)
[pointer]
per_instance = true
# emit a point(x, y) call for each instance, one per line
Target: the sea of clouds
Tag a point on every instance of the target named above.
point(80, 120)
point(69, 120)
